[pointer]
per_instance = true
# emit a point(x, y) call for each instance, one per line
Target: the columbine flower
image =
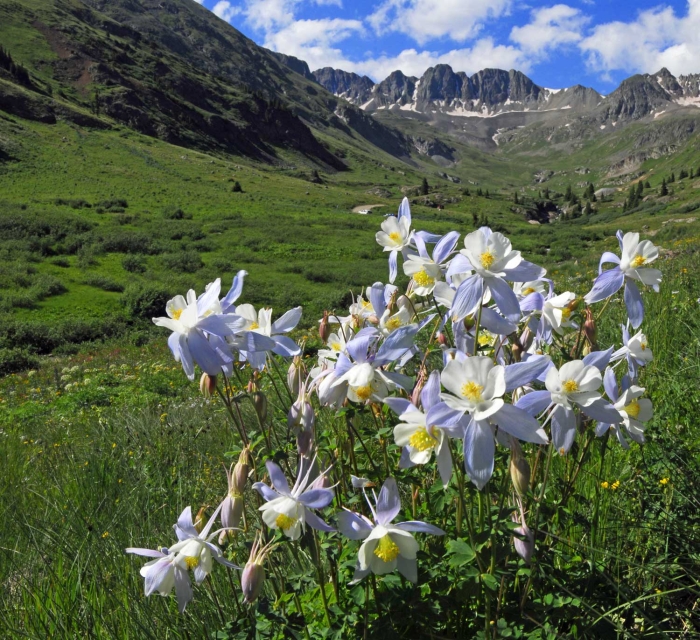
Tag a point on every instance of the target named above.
point(195, 550)
point(633, 409)
point(425, 270)
point(199, 330)
point(396, 235)
point(577, 383)
point(476, 386)
point(419, 438)
point(290, 509)
point(556, 312)
point(164, 573)
point(491, 257)
point(635, 349)
point(386, 547)
point(259, 334)
point(632, 266)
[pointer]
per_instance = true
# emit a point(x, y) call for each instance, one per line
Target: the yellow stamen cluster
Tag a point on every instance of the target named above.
point(527, 292)
point(387, 549)
point(191, 562)
point(393, 323)
point(638, 262)
point(253, 326)
point(421, 440)
point(565, 313)
point(285, 522)
point(395, 236)
point(364, 393)
point(632, 409)
point(336, 346)
point(472, 391)
point(177, 313)
point(570, 386)
point(423, 279)
point(643, 346)
point(487, 259)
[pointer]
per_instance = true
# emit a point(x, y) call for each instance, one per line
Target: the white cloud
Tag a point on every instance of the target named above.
point(656, 38)
point(424, 20)
point(550, 28)
point(314, 41)
point(484, 54)
point(225, 10)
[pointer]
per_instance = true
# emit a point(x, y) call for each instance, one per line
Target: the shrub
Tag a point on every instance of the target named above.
point(104, 283)
point(237, 187)
point(133, 264)
point(145, 300)
point(15, 360)
point(61, 262)
point(129, 242)
point(171, 212)
point(118, 203)
point(183, 262)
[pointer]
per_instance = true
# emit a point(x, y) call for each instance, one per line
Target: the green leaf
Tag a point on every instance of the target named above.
point(461, 553)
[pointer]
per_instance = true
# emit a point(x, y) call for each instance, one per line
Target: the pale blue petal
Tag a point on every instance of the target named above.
point(519, 424)
point(216, 325)
point(634, 304)
point(495, 323)
point(316, 498)
point(416, 526)
point(534, 403)
point(285, 347)
point(468, 297)
point(521, 373)
point(265, 491)
point(389, 502)
point(504, 298)
point(606, 284)
point(396, 343)
point(602, 411)
point(287, 322)
point(376, 297)
point(610, 384)
point(532, 302)
point(563, 428)
point(430, 395)
point(186, 356)
point(399, 405)
point(204, 355)
point(420, 245)
point(443, 416)
point(277, 477)
point(183, 589)
point(479, 449)
point(525, 272)
point(607, 257)
point(209, 297)
point(445, 247)
point(235, 291)
point(598, 359)
point(352, 525)
point(405, 210)
point(393, 265)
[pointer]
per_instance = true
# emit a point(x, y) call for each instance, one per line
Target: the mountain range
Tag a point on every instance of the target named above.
point(171, 69)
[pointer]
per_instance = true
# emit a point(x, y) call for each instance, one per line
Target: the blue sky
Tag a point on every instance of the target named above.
point(592, 42)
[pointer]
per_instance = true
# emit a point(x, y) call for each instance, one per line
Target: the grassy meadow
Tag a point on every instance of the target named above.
point(104, 441)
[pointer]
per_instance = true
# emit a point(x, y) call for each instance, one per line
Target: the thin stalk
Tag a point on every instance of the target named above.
point(476, 330)
point(322, 579)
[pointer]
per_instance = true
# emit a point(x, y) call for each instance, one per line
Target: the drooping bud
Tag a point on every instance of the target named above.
point(233, 504)
point(241, 471)
point(260, 404)
point(200, 519)
point(517, 351)
point(526, 338)
point(253, 576)
point(441, 338)
point(421, 379)
point(574, 304)
point(207, 385)
point(469, 322)
point(524, 541)
point(324, 329)
point(589, 328)
point(295, 374)
point(519, 469)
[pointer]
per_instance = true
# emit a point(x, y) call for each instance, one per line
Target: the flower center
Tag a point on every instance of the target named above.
point(565, 313)
point(363, 393)
point(528, 291)
point(336, 346)
point(387, 550)
point(643, 346)
point(485, 339)
point(177, 313)
point(253, 326)
point(472, 391)
point(422, 279)
point(395, 236)
point(638, 261)
point(421, 440)
point(487, 259)
point(570, 386)
point(191, 562)
point(284, 522)
point(632, 409)
point(393, 323)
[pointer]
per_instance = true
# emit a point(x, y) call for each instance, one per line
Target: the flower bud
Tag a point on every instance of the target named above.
point(469, 322)
point(574, 304)
point(200, 519)
point(260, 404)
point(252, 580)
point(324, 329)
point(441, 338)
point(519, 471)
point(240, 473)
point(420, 383)
point(305, 441)
point(517, 351)
point(295, 374)
point(589, 328)
point(207, 385)
point(524, 548)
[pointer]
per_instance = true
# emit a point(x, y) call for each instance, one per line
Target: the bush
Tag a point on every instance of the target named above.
point(183, 262)
point(145, 300)
point(133, 264)
point(61, 262)
point(15, 360)
point(237, 187)
point(114, 203)
point(171, 212)
point(129, 242)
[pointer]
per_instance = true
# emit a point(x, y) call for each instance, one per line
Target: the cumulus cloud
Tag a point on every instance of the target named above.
point(315, 41)
point(424, 20)
point(225, 10)
point(550, 28)
point(656, 38)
